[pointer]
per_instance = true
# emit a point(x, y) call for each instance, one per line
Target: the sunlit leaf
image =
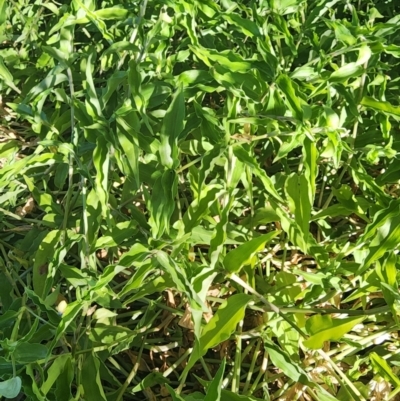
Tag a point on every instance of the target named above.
point(323, 328)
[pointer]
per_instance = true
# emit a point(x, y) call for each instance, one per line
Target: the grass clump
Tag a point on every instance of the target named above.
point(199, 200)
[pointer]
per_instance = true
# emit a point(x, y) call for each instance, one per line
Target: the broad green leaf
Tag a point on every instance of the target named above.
point(173, 124)
point(281, 360)
point(364, 54)
point(68, 317)
point(10, 388)
point(163, 202)
point(297, 191)
point(219, 236)
point(342, 32)
point(111, 335)
point(7, 318)
point(28, 352)
point(92, 101)
point(130, 152)
point(178, 274)
point(3, 12)
point(350, 70)
point(135, 81)
point(385, 231)
point(94, 213)
point(64, 381)
point(214, 388)
point(51, 314)
point(310, 155)
point(282, 26)
point(263, 215)
point(320, 8)
point(43, 256)
point(61, 175)
point(226, 58)
point(382, 106)
point(243, 255)
point(6, 75)
point(323, 328)
point(93, 389)
point(108, 274)
point(101, 161)
point(295, 141)
point(382, 367)
point(387, 273)
point(111, 13)
point(248, 27)
point(224, 322)
point(200, 207)
point(221, 326)
point(53, 373)
point(49, 82)
point(286, 86)
point(57, 54)
point(156, 284)
point(286, 288)
point(248, 160)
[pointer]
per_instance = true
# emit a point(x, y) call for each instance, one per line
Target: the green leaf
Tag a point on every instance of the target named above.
point(64, 381)
point(382, 368)
point(178, 275)
point(281, 360)
point(310, 155)
point(3, 12)
point(224, 322)
point(93, 104)
point(93, 389)
point(49, 82)
point(342, 33)
point(111, 335)
point(350, 70)
point(28, 352)
point(323, 328)
point(163, 202)
point(150, 380)
point(243, 255)
point(248, 160)
point(248, 27)
point(382, 106)
point(285, 84)
point(68, 317)
point(7, 318)
point(101, 161)
point(173, 124)
point(220, 327)
point(214, 388)
point(11, 387)
point(5, 74)
point(386, 231)
point(111, 13)
point(53, 373)
point(227, 58)
point(43, 256)
point(297, 190)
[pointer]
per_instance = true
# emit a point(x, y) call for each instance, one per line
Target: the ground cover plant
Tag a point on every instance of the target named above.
point(199, 200)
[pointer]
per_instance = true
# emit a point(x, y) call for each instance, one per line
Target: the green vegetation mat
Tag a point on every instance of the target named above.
point(199, 200)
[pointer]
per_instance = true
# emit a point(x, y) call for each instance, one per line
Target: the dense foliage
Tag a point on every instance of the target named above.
point(199, 200)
